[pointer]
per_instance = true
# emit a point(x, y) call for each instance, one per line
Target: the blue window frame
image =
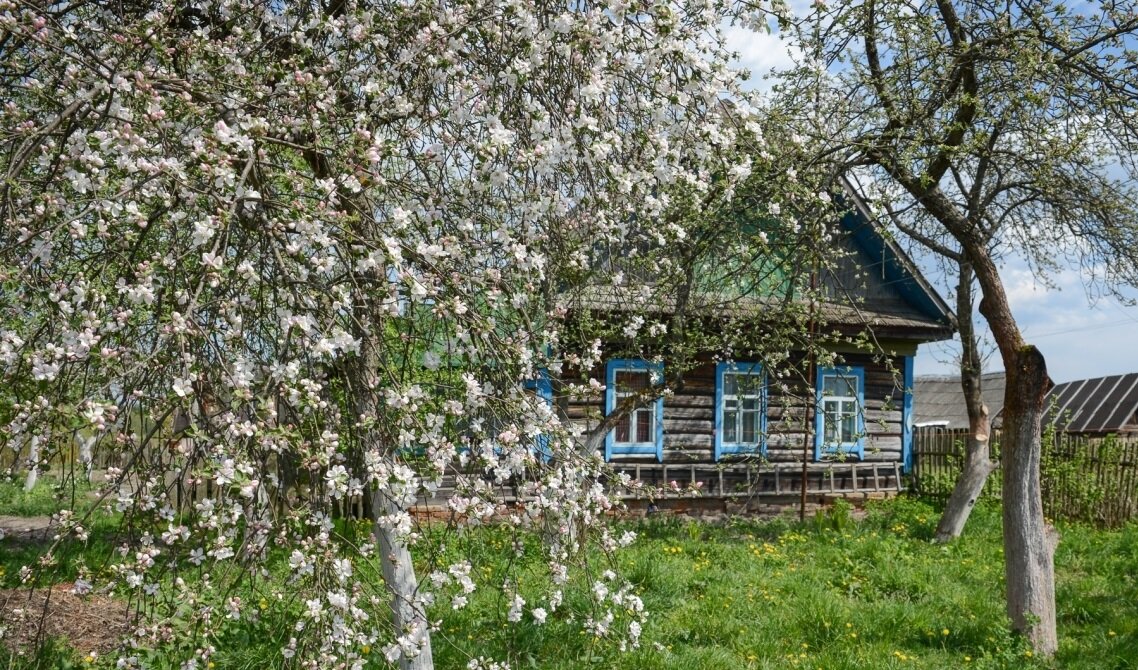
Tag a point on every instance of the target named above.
point(641, 433)
point(740, 409)
point(542, 387)
point(839, 425)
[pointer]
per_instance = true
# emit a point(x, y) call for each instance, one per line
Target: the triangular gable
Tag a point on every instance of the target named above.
point(898, 271)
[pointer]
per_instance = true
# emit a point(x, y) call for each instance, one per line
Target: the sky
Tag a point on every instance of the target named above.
point(1078, 337)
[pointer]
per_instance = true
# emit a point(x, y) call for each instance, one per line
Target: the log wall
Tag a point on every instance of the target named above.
point(689, 415)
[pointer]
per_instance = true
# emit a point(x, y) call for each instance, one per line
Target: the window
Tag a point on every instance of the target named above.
point(740, 409)
point(541, 388)
point(840, 422)
point(641, 432)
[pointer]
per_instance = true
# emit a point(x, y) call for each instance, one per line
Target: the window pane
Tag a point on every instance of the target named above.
point(849, 429)
point(751, 427)
point(730, 427)
point(630, 381)
point(751, 403)
point(839, 386)
point(622, 430)
point(830, 434)
point(830, 420)
point(751, 384)
point(644, 426)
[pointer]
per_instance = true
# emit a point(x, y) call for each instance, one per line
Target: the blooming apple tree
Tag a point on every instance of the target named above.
point(293, 252)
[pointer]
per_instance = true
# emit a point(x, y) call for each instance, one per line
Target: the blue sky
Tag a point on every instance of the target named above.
point(1079, 337)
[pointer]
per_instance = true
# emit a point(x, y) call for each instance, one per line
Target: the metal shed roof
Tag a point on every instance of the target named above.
point(1100, 405)
point(939, 400)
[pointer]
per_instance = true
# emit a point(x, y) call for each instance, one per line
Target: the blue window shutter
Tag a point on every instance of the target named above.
point(656, 446)
point(718, 428)
point(860, 373)
point(544, 389)
point(907, 416)
point(857, 372)
point(722, 448)
point(610, 403)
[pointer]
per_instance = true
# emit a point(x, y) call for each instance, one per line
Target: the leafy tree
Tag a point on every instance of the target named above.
point(305, 251)
point(1007, 126)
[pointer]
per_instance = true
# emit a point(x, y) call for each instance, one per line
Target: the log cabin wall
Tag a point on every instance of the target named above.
point(689, 414)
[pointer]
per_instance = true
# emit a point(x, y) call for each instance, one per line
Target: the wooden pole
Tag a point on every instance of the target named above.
point(812, 362)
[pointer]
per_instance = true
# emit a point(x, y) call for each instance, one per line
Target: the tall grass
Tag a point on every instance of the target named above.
point(832, 593)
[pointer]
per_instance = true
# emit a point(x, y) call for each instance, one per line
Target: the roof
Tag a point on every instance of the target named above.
point(939, 400)
point(892, 297)
point(642, 299)
point(899, 269)
point(1101, 405)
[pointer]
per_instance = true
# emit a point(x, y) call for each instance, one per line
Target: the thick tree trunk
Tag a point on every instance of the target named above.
point(1029, 543)
point(977, 461)
point(364, 377)
point(407, 614)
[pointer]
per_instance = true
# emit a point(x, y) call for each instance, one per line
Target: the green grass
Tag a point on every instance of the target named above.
point(830, 594)
point(50, 495)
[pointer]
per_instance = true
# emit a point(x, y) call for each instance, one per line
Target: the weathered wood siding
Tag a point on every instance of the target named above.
point(689, 415)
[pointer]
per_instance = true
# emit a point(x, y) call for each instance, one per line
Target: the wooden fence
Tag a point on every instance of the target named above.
point(1089, 479)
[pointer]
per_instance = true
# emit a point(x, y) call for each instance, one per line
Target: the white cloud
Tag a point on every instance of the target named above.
point(1079, 340)
point(759, 52)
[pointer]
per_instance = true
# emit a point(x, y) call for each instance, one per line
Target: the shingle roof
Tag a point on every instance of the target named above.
point(939, 400)
point(1101, 405)
point(619, 299)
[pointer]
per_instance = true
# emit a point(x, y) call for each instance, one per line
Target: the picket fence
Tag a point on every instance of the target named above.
point(1087, 479)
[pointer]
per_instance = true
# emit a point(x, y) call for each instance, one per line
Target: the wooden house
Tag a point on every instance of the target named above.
point(735, 429)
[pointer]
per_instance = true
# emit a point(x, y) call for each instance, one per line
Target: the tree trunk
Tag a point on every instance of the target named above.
point(34, 460)
point(977, 462)
point(977, 467)
point(1029, 543)
point(407, 614)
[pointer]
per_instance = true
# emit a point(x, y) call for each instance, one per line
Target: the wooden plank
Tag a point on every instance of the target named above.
point(872, 416)
point(785, 440)
point(699, 427)
point(885, 442)
point(691, 400)
point(700, 413)
point(688, 440)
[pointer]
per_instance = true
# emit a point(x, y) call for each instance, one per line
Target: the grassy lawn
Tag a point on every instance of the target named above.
point(831, 594)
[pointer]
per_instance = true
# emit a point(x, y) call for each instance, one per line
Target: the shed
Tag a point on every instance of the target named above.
point(938, 400)
point(1095, 407)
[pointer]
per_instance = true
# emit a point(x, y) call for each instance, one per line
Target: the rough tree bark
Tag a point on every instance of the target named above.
point(34, 461)
point(1029, 542)
point(977, 453)
point(408, 615)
